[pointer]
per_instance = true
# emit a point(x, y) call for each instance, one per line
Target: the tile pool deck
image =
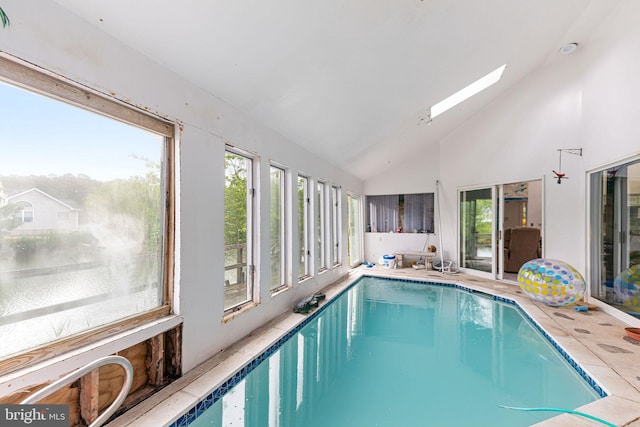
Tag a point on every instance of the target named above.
point(594, 339)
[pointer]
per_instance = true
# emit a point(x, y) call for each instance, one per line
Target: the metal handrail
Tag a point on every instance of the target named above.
point(71, 377)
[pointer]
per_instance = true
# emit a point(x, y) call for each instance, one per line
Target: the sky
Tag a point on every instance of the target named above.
point(42, 136)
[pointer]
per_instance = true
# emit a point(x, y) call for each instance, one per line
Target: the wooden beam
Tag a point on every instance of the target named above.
point(173, 352)
point(155, 360)
point(89, 392)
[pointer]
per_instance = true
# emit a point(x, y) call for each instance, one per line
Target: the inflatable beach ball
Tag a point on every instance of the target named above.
point(627, 287)
point(551, 282)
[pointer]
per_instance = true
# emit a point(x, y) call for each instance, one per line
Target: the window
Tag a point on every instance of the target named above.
point(26, 211)
point(383, 213)
point(407, 213)
point(354, 229)
point(336, 225)
point(109, 265)
point(277, 247)
point(303, 226)
point(417, 213)
point(615, 245)
point(239, 268)
point(467, 92)
point(321, 225)
point(27, 215)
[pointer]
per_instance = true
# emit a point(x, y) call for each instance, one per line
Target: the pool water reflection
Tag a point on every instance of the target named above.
point(389, 352)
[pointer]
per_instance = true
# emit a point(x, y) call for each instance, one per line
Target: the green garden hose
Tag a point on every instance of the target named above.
point(566, 411)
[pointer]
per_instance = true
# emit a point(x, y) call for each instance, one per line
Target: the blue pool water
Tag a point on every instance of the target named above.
point(401, 353)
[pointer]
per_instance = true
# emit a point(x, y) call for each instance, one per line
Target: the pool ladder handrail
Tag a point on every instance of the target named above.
point(80, 372)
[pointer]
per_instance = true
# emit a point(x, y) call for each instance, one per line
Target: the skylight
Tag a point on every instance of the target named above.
point(467, 92)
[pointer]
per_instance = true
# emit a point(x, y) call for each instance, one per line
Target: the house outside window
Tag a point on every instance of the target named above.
point(87, 226)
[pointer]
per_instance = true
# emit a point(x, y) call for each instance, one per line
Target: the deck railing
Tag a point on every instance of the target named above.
point(235, 254)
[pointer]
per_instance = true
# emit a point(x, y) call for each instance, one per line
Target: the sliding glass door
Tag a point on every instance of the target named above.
point(500, 228)
point(615, 236)
point(477, 219)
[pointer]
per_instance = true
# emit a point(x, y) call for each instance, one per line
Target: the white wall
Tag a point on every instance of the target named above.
point(46, 35)
point(378, 244)
point(611, 89)
point(417, 174)
point(516, 139)
point(585, 100)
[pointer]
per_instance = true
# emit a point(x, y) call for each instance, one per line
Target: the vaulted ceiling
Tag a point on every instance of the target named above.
point(350, 80)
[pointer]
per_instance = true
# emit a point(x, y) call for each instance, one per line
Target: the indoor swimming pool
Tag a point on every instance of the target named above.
point(397, 352)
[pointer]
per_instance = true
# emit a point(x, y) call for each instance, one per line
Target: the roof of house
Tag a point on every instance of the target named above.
point(22, 194)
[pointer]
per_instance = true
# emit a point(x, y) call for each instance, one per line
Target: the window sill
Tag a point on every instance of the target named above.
point(304, 279)
point(244, 308)
point(56, 366)
point(279, 291)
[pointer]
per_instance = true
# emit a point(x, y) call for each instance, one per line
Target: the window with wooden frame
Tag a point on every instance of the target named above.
point(97, 258)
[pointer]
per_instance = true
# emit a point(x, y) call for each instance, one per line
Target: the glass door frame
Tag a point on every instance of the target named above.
point(488, 275)
point(601, 286)
point(497, 233)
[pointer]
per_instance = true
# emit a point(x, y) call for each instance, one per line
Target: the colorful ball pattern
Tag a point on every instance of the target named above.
point(551, 282)
point(627, 287)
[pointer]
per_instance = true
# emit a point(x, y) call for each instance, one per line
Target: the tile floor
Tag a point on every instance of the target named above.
point(594, 339)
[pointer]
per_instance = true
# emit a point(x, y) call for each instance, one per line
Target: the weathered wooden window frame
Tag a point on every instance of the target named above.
point(26, 76)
